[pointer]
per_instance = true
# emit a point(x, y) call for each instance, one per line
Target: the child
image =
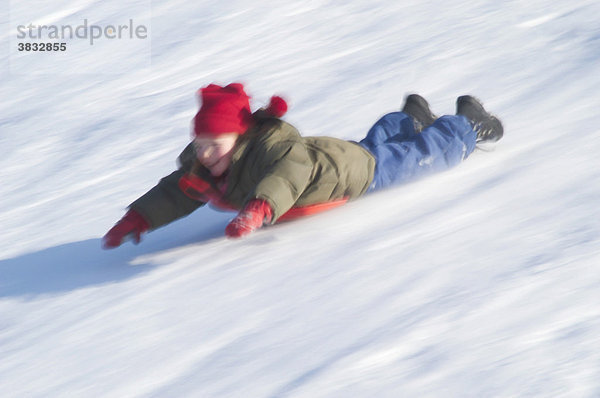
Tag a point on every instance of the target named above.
point(259, 165)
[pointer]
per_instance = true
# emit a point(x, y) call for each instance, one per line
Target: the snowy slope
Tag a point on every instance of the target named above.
point(483, 281)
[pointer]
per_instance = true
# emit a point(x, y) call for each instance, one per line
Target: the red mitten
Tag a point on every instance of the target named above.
point(131, 225)
point(249, 219)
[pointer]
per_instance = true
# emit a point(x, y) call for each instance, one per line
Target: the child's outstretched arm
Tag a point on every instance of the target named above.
point(161, 205)
point(165, 202)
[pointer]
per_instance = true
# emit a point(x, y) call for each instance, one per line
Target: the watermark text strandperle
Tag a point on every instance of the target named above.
point(84, 31)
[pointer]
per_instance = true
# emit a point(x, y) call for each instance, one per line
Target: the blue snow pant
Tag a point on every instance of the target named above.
point(402, 155)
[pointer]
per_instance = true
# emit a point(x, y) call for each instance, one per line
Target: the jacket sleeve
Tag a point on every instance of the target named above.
point(286, 178)
point(165, 202)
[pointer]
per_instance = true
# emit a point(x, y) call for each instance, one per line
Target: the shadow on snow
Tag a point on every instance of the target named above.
point(84, 263)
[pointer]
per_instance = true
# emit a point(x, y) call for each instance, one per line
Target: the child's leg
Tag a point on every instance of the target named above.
point(402, 158)
point(395, 124)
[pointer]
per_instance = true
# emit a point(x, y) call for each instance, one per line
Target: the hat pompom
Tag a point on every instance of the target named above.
point(277, 106)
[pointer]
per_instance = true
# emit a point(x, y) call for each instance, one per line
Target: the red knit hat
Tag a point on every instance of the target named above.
point(227, 110)
point(224, 110)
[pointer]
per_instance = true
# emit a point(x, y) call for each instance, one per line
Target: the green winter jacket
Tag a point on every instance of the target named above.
point(271, 161)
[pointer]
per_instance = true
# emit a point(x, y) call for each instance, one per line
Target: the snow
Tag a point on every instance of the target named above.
point(483, 281)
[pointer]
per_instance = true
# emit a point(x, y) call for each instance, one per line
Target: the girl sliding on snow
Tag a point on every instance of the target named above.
point(259, 165)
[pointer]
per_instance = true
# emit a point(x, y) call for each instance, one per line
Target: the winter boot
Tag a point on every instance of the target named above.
point(488, 128)
point(418, 109)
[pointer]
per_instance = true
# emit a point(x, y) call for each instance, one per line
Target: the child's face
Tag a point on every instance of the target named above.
point(214, 152)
